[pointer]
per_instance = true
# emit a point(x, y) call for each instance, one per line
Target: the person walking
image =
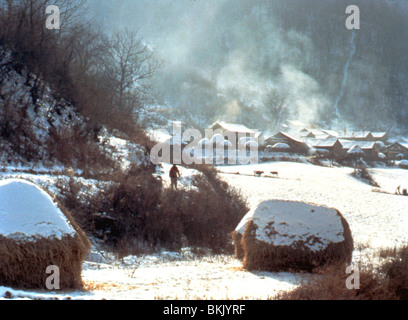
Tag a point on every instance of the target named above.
point(174, 176)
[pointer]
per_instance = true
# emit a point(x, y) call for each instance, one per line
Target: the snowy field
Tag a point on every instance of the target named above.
point(377, 220)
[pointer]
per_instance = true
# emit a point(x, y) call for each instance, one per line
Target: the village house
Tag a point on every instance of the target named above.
point(332, 146)
point(313, 134)
point(397, 150)
point(366, 136)
point(380, 136)
point(232, 131)
point(359, 136)
point(370, 148)
point(296, 145)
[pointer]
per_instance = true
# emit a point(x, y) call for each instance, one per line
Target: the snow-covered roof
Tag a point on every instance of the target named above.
point(379, 134)
point(233, 127)
point(289, 136)
point(355, 150)
point(362, 144)
point(325, 143)
point(360, 135)
point(312, 131)
point(281, 145)
point(331, 133)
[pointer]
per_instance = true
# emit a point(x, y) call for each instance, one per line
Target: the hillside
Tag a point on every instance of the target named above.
point(223, 58)
point(39, 128)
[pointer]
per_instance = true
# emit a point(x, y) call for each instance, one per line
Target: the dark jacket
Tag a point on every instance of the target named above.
point(174, 172)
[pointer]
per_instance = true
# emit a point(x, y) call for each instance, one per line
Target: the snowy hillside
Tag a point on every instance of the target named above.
point(35, 121)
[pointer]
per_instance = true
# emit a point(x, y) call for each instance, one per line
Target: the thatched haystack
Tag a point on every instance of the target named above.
point(403, 164)
point(37, 232)
point(238, 249)
point(292, 236)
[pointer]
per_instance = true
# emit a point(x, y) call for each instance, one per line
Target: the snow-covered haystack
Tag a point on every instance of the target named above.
point(37, 232)
point(280, 235)
point(403, 164)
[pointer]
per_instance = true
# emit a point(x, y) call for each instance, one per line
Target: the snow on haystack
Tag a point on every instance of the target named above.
point(280, 235)
point(403, 164)
point(27, 211)
point(36, 232)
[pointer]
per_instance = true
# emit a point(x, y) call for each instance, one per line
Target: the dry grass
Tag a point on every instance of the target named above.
point(330, 284)
point(388, 281)
point(23, 264)
point(105, 286)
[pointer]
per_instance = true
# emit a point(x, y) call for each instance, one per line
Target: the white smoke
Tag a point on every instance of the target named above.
point(345, 73)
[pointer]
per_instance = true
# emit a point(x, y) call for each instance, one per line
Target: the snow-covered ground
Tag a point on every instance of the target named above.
point(377, 220)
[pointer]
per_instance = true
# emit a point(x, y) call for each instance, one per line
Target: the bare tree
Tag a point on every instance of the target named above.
point(128, 66)
point(277, 106)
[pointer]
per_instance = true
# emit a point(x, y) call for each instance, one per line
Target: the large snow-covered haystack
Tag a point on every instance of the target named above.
point(36, 232)
point(282, 235)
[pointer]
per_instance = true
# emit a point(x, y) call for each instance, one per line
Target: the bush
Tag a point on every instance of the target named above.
point(387, 282)
point(204, 216)
point(365, 175)
point(396, 273)
point(144, 214)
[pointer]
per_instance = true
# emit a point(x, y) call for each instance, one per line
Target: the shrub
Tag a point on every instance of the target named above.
point(204, 216)
point(144, 214)
point(389, 281)
point(396, 272)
